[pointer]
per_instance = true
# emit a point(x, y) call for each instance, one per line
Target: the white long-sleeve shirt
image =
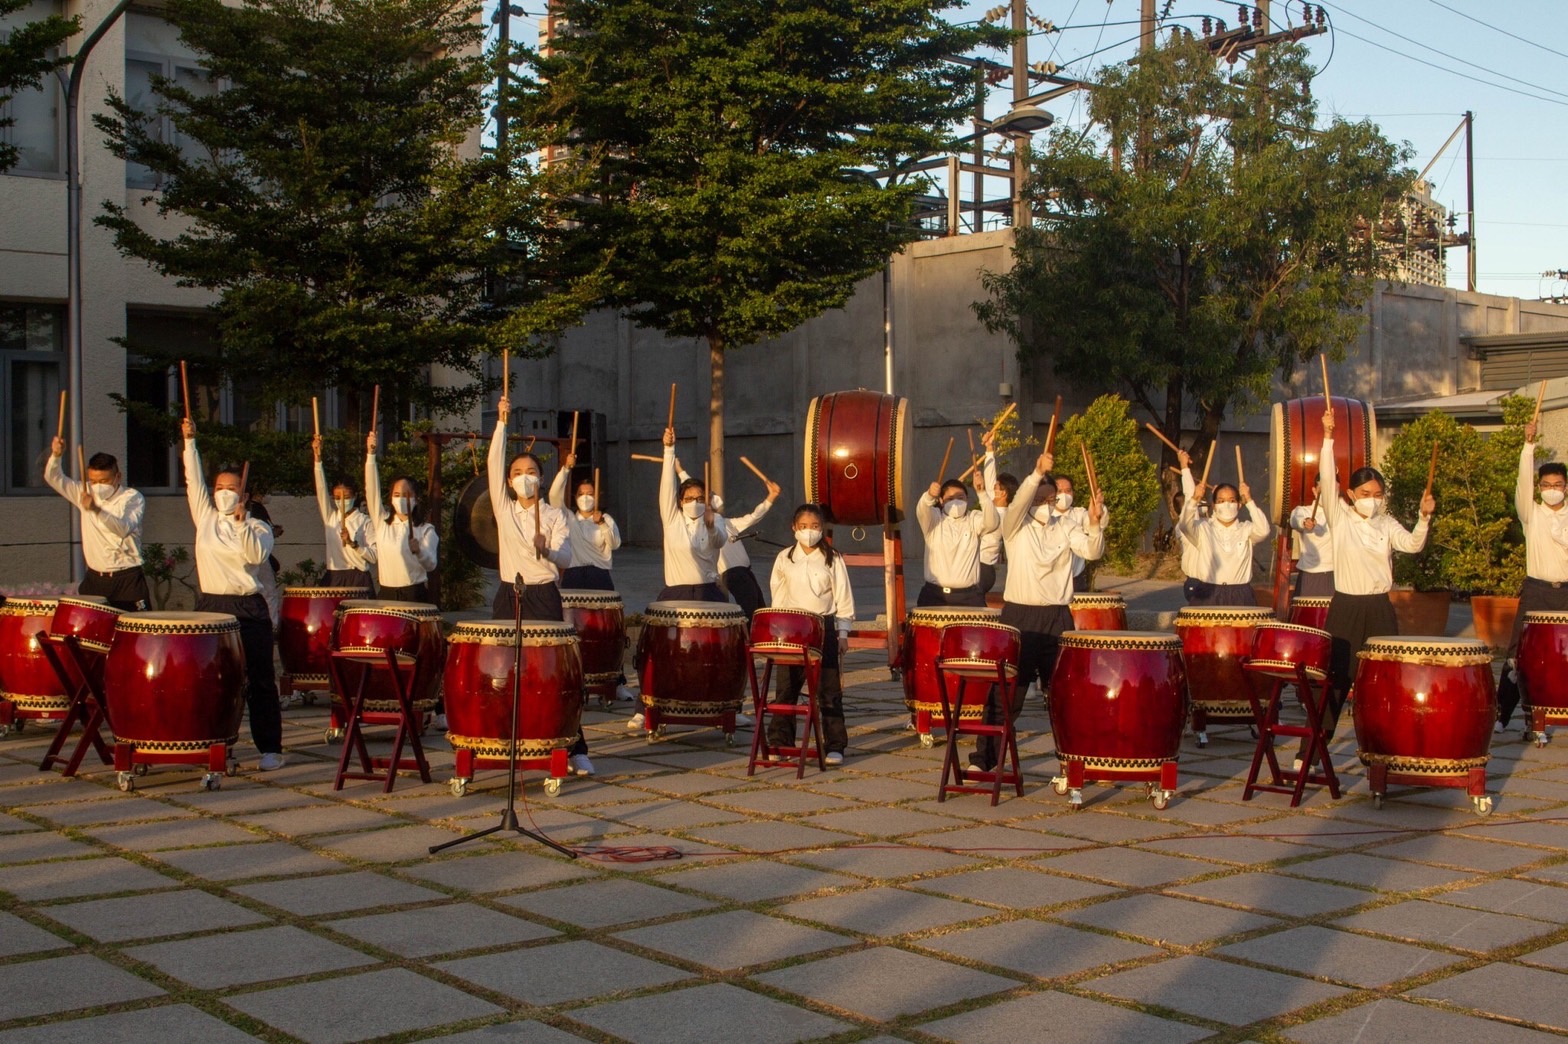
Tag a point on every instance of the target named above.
point(229, 554)
point(515, 525)
point(593, 543)
point(396, 564)
point(952, 558)
point(803, 580)
point(1040, 555)
point(1222, 554)
point(340, 555)
point(733, 555)
point(691, 549)
point(1545, 529)
point(1189, 550)
point(1363, 547)
point(1317, 546)
point(112, 535)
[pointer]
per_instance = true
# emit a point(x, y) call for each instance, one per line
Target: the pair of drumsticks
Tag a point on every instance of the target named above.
point(185, 397)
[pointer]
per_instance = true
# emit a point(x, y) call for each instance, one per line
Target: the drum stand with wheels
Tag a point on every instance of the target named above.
point(785, 656)
point(981, 675)
point(351, 672)
point(891, 562)
point(69, 662)
point(1538, 718)
point(1473, 779)
point(1314, 695)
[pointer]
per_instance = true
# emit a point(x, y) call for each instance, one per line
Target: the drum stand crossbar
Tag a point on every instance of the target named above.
point(351, 673)
point(785, 657)
point(891, 562)
point(983, 676)
point(1314, 696)
point(69, 661)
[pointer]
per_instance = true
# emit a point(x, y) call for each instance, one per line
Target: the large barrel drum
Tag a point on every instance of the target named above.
point(26, 679)
point(1543, 666)
point(1425, 705)
point(478, 688)
point(856, 442)
point(691, 658)
point(922, 643)
point(175, 681)
point(599, 617)
point(1215, 639)
point(1118, 700)
point(305, 632)
point(1296, 436)
point(407, 627)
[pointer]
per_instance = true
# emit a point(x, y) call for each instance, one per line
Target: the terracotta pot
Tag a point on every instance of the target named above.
point(1494, 618)
point(1421, 612)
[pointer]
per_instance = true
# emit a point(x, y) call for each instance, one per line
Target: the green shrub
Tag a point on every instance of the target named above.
point(1128, 478)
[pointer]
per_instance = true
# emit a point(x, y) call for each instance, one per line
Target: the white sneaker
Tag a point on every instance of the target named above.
point(1295, 766)
point(635, 721)
point(1498, 728)
point(269, 762)
point(834, 757)
point(624, 694)
point(742, 721)
point(438, 723)
point(580, 765)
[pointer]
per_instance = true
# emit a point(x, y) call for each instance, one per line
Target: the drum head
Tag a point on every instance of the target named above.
point(678, 612)
point(1427, 648)
point(93, 600)
point(473, 525)
point(387, 605)
point(942, 615)
point(346, 593)
point(175, 622)
point(592, 599)
point(1140, 640)
point(1541, 616)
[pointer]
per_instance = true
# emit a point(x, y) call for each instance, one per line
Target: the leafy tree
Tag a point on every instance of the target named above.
point(1127, 475)
point(1206, 237)
point(319, 184)
point(724, 137)
point(28, 53)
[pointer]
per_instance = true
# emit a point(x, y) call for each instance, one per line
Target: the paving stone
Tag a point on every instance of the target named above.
point(1388, 875)
point(774, 802)
point(1308, 830)
point(1043, 950)
point(1324, 953)
point(1128, 866)
point(152, 916)
point(1160, 918)
point(18, 936)
point(732, 940)
point(505, 871)
point(1214, 989)
point(1521, 898)
point(882, 790)
point(1111, 828)
point(37, 987)
point(687, 784)
point(25, 787)
point(1550, 957)
point(599, 904)
point(1397, 1022)
point(216, 961)
point(1274, 893)
point(1558, 874)
point(1013, 888)
point(237, 862)
point(882, 821)
point(174, 1022)
point(530, 1031)
point(13, 825)
point(1473, 930)
point(178, 833)
point(754, 880)
point(319, 819)
point(336, 894)
point(885, 983)
point(235, 800)
point(884, 911)
point(88, 813)
point(671, 815)
point(355, 1007)
point(1002, 842)
point(79, 877)
point(441, 929)
point(1527, 994)
point(1072, 1020)
point(703, 1014)
point(765, 837)
point(886, 862)
point(1462, 852)
point(43, 844)
point(567, 971)
point(392, 845)
point(1246, 851)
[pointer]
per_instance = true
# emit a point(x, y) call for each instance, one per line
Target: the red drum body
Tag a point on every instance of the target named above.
point(784, 630)
point(407, 627)
point(1424, 710)
point(1310, 612)
point(305, 633)
point(856, 442)
point(91, 620)
point(599, 618)
point(1543, 664)
point(478, 689)
point(1098, 612)
point(1279, 648)
point(175, 683)
point(1215, 640)
point(27, 682)
point(1296, 438)
point(922, 642)
point(691, 660)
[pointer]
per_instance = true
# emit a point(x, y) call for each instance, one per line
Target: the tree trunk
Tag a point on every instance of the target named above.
point(716, 414)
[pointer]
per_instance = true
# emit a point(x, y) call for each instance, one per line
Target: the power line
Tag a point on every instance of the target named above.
point(1444, 69)
point(1505, 32)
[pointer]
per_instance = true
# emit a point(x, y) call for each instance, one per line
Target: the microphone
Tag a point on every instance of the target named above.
point(517, 584)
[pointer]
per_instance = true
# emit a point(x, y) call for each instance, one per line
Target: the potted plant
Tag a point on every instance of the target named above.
point(1128, 478)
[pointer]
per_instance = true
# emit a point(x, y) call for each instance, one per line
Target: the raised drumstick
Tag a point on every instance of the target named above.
point(754, 469)
point(1241, 478)
point(1323, 362)
point(671, 424)
point(375, 407)
point(315, 417)
point(1540, 397)
point(1011, 407)
point(185, 390)
point(1088, 468)
point(506, 371)
point(1431, 471)
point(1209, 460)
point(650, 460)
point(81, 463)
point(1157, 433)
point(244, 481)
point(59, 428)
point(573, 447)
point(596, 506)
point(538, 551)
point(1050, 434)
point(971, 433)
point(945, 458)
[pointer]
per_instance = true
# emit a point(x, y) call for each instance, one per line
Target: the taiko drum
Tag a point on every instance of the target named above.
point(784, 629)
point(1543, 663)
point(922, 643)
point(691, 658)
point(26, 679)
point(1118, 700)
point(478, 683)
point(1279, 648)
point(856, 442)
point(174, 682)
point(406, 627)
point(1309, 611)
point(1215, 640)
point(1425, 705)
point(599, 617)
point(1098, 612)
point(1296, 439)
point(305, 631)
point(90, 620)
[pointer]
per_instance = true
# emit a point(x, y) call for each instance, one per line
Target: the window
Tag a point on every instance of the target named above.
point(32, 372)
point(153, 383)
point(153, 49)
point(38, 124)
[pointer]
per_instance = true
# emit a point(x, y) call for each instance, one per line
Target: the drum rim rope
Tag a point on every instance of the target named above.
point(20, 606)
point(1286, 625)
point(1275, 668)
point(928, 614)
point(411, 610)
point(1221, 615)
point(95, 601)
point(1546, 616)
point(1407, 765)
point(1137, 641)
point(1096, 598)
point(1465, 652)
point(129, 624)
point(495, 748)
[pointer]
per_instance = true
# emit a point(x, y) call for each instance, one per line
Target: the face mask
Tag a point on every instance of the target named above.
point(525, 486)
point(1064, 501)
point(808, 537)
point(955, 508)
point(1549, 497)
point(692, 508)
point(718, 502)
point(345, 506)
point(1226, 512)
point(585, 503)
point(1369, 506)
point(403, 505)
point(103, 491)
point(1041, 512)
point(225, 500)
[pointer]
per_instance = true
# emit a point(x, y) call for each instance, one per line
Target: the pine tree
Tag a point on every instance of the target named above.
point(28, 54)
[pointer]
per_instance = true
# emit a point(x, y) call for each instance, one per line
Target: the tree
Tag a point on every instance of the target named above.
point(725, 138)
point(322, 190)
point(28, 53)
point(1207, 235)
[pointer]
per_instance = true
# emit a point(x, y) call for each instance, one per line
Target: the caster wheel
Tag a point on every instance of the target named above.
point(308, 699)
point(729, 739)
point(1075, 799)
point(927, 741)
point(141, 769)
point(652, 736)
point(234, 767)
point(1203, 739)
point(1161, 799)
point(1377, 800)
point(212, 781)
point(19, 726)
point(552, 785)
point(1252, 730)
point(1059, 784)
point(5, 730)
point(459, 786)
point(333, 735)
point(126, 782)
point(1483, 805)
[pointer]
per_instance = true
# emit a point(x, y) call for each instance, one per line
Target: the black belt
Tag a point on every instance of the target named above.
point(1546, 583)
point(958, 590)
point(114, 572)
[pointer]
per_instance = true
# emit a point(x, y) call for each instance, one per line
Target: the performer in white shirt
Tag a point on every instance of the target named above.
point(1222, 544)
point(693, 535)
point(592, 533)
point(734, 559)
point(1315, 566)
point(230, 548)
point(1545, 587)
point(953, 533)
point(404, 548)
point(810, 575)
point(1063, 505)
point(111, 528)
point(345, 527)
point(1002, 494)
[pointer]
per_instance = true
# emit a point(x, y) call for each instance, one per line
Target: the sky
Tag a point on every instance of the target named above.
point(1411, 66)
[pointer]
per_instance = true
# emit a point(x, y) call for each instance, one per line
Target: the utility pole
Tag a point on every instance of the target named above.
point(1146, 25)
point(1470, 199)
point(1020, 10)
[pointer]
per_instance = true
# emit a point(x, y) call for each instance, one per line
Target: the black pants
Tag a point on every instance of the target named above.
point(261, 688)
point(352, 578)
point(744, 588)
point(414, 593)
point(126, 589)
point(1535, 596)
point(987, 578)
point(586, 578)
point(1352, 619)
point(931, 594)
point(691, 593)
point(1200, 592)
point(1315, 585)
point(830, 698)
point(1040, 630)
point(540, 602)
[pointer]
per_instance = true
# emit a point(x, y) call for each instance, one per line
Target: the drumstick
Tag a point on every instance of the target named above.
point(671, 424)
point(754, 469)
point(529, 447)
point(1089, 472)
point(1050, 434)
point(315, 416)
point(707, 490)
point(1431, 472)
point(375, 407)
point(1539, 397)
point(59, 428)
point(1323, 361)
point(971, 433)
point(972, 469)
point(945, 457)
point(1241, 478)
point(538, 552)
point(1003, 418)
point(573, 447)
point(81, 463)
point(651, 460)
point(474, 453)
point(185, 390)
point(506, 370)
point(1157, 433)
point(1213, 447)
point(244, 481)
point(596, 506)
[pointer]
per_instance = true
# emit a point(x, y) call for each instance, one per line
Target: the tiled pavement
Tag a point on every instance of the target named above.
point(848, 906)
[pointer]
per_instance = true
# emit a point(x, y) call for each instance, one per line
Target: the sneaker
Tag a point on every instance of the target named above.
point(743, 721)
point(438, 723)
point(580, 765)
point(1295, 766)
point(269, 762)
point(624, 694)
point(635, 721)
point(834, 757)
point(1498, 727)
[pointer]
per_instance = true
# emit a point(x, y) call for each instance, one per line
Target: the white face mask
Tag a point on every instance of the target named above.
point(585, 503)
point(1549, 497)
point(525, 486)
point(345, 506)
point(1064, 501)
point(103, 491)
point(225, 500)
point(1370, 507)
point(403, 505)
point(1226, 511)
point(808, 537)
point(717, 502)
point(692, 508)
point(957, 508)
point(1041, 512)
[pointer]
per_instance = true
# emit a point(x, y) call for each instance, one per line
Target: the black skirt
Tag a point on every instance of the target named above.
point(1315, 585)
point(1200, 592)
point(1352, 619)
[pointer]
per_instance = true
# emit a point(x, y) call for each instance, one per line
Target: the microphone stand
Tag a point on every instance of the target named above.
point(509, 813)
